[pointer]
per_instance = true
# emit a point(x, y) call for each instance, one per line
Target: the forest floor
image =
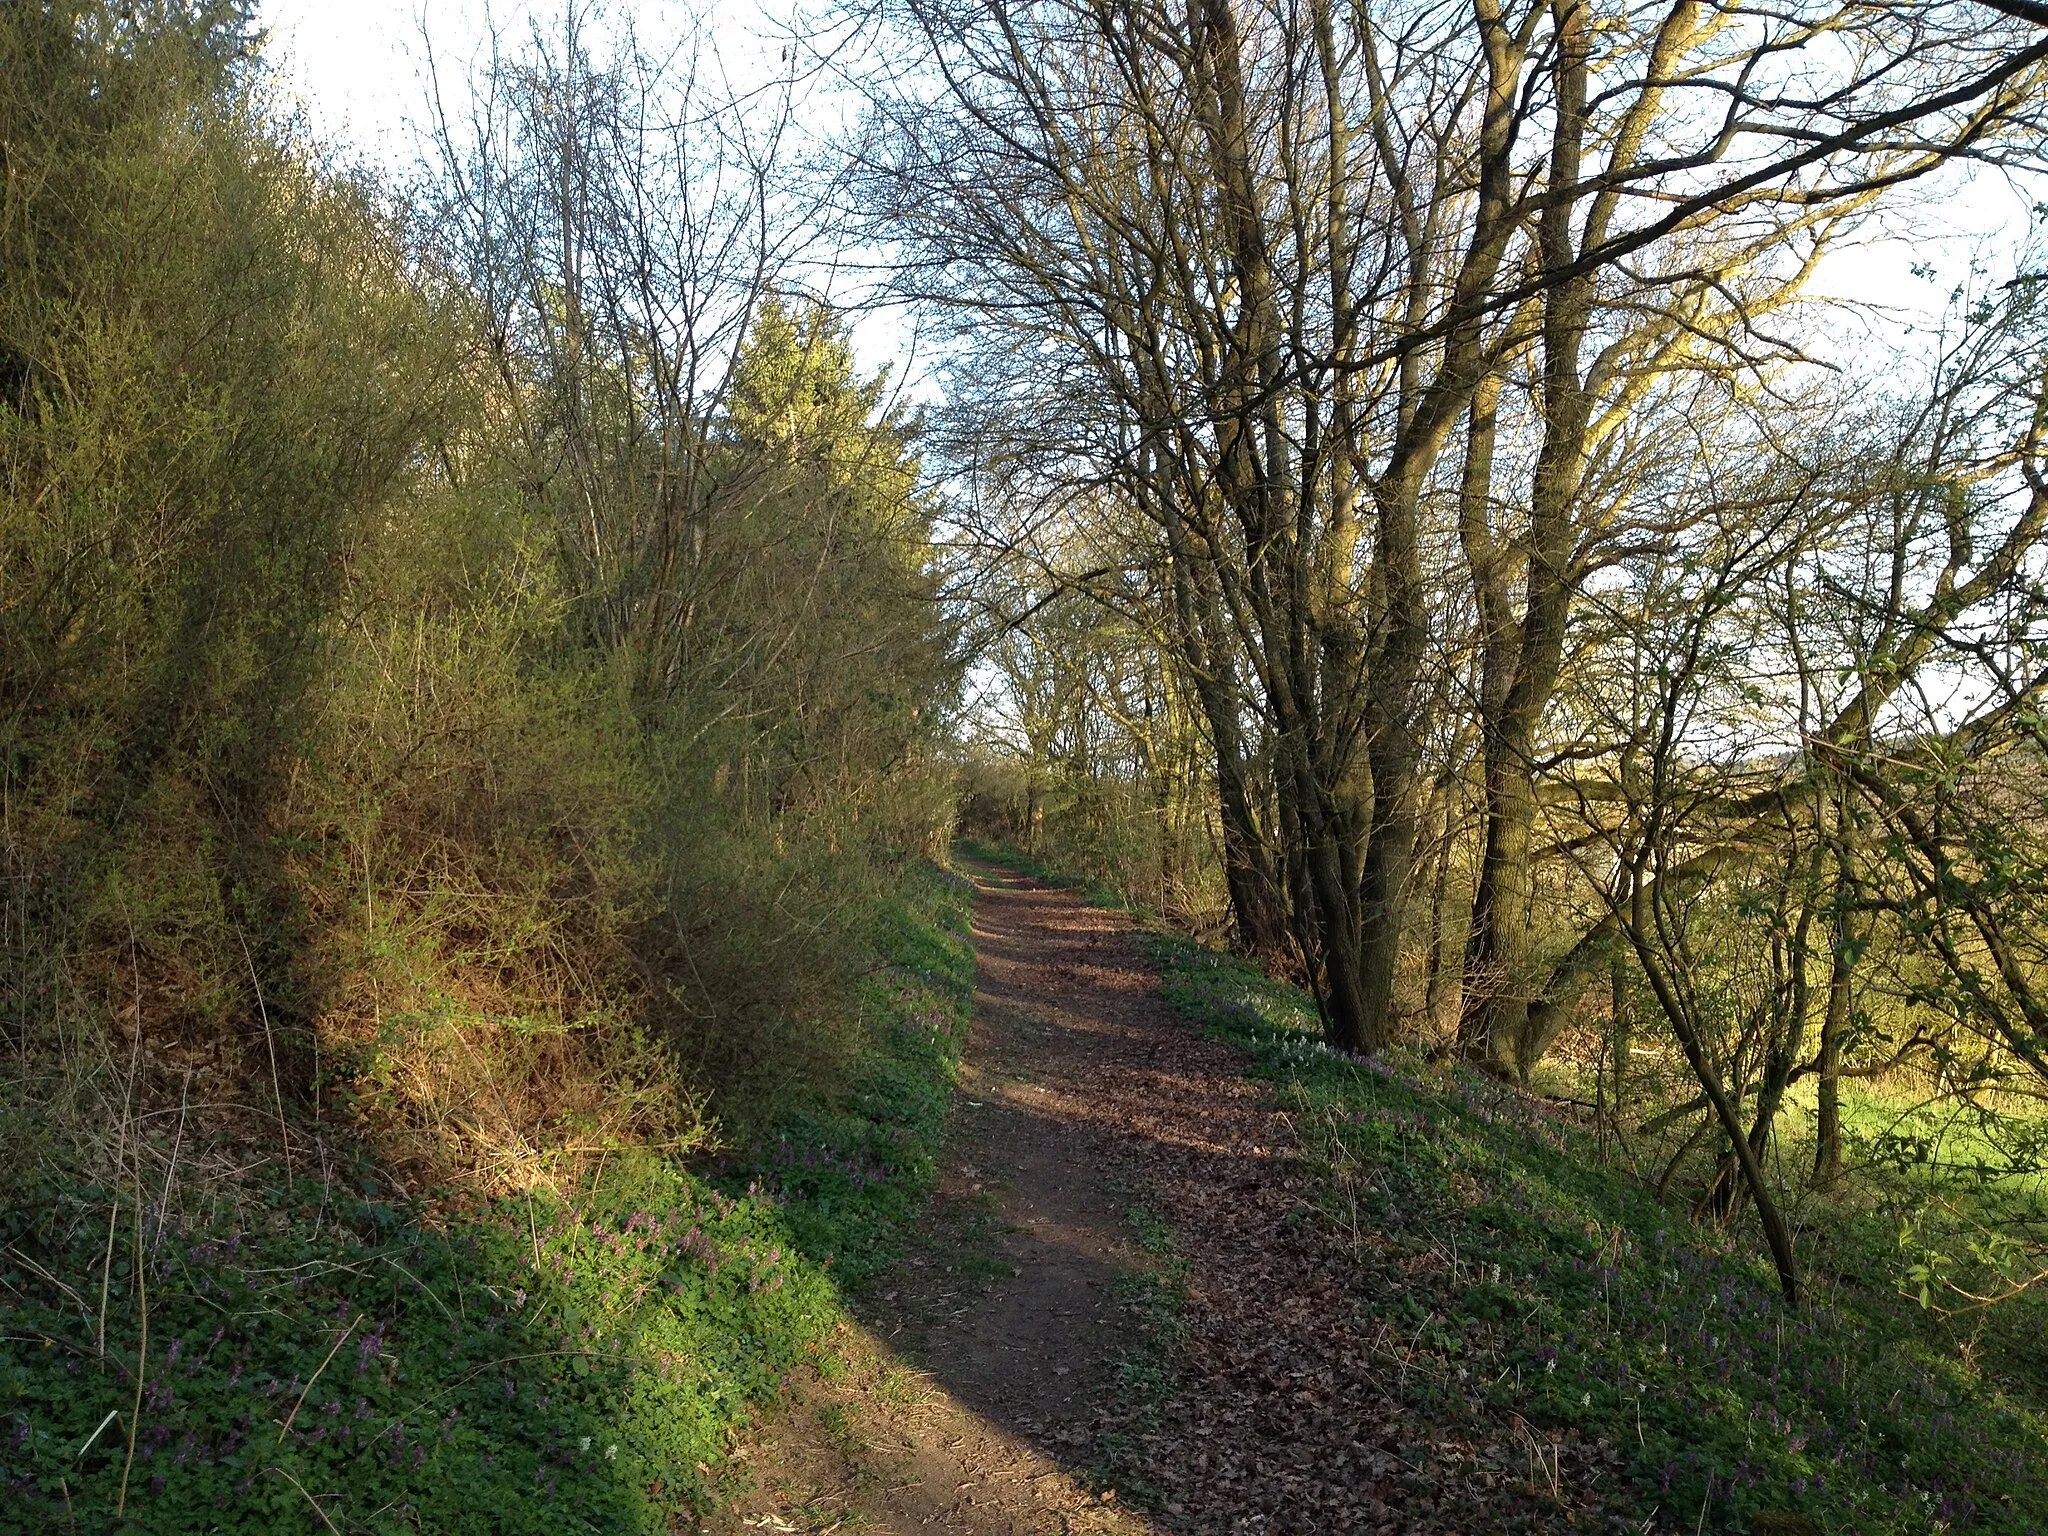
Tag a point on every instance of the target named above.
point(1121, 1314)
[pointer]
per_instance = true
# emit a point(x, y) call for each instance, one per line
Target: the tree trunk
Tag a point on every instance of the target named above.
point(1393, 753)
point(1791, 1001)
point(1257, 908)
point(1834, 1029)
point(1621, 1022)
point(1497, 1007)
point(1444, 989)
point(1776, 1234)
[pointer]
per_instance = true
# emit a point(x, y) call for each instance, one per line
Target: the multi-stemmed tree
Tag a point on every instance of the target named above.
point(1312, 289)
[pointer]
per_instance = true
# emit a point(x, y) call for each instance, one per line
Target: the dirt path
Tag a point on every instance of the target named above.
point(979, 1385)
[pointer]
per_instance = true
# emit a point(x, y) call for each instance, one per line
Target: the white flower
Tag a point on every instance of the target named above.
point(1549, 1366)
point(583, 1444)
point(611, 1452)
point(1586, 1400)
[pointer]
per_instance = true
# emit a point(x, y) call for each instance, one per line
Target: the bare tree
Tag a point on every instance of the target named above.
point(622, 212)
point(1260, 266)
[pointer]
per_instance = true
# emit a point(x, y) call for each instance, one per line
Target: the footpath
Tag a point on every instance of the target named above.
point(1103, 1155)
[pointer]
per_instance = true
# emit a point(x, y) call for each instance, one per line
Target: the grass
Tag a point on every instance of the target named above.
point(1949, 1204)
point(851, 1172)
point(1153, 1298)
point(1534, 1281)
point(1094, 892)
point(536, 1365)
point(1943, 1197)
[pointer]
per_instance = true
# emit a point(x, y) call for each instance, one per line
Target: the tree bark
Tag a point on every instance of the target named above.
point(1836, 1017)
point(1505, 890)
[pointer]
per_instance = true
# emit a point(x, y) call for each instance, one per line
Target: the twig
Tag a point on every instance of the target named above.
point(455, 1269)
point(121, 1147)
point(1406, 1362)
point(106, 1268)
point(45, 1274)
point(2017, 1288)
point(270, 1045)
point(163, 1204)
point(489, 1365)
point(280, 1471)
point(112, 1414)
point(351, 1328)
point(416, 1280)
point(141, 1343)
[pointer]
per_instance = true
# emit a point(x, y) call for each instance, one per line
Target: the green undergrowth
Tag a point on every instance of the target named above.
point(542, 1365)
point(1153, 1298)
point(1525, 1278)
point(1095, 892)
point(1938, 1193)
point(851, 1172)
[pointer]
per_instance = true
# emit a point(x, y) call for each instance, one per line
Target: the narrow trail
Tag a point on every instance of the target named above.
point(980, 1379)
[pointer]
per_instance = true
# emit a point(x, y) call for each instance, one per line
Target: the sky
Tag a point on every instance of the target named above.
point(355, 64)
point(359, 68)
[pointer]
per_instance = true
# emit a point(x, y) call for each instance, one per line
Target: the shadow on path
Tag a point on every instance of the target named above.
point(981, 1379)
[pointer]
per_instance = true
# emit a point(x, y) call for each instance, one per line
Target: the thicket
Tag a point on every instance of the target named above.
point(464, 789)
point(535, 1361)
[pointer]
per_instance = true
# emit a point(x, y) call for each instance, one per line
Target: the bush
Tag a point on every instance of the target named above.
point(388, 938)
point(525, 1362)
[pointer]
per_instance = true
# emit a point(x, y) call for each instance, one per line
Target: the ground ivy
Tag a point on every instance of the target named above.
point(1541, 1284)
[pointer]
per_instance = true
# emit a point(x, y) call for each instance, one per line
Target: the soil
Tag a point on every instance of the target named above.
point(980, 1383)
